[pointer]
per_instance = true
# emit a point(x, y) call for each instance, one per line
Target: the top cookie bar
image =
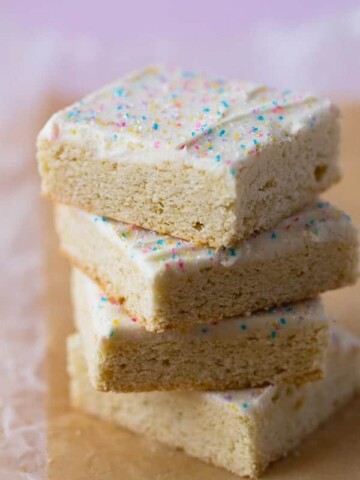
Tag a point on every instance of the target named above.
point(206, 160)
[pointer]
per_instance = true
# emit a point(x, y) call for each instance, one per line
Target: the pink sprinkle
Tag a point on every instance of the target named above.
point(55, 132)
point(133, 319)
point(167, 265)
point(181, 264)
point(156, 144)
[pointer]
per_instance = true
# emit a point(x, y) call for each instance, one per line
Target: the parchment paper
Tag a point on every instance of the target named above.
point(81, 447)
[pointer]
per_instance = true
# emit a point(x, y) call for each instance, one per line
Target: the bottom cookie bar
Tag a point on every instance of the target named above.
point(284, 345)
point(242, 431)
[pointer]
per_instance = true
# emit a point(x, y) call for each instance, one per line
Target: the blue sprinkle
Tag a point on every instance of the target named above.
point(154, 249)
point(255, 129)
point(283, 321)
point(242, 146)
point(226, 105)
point(104, 219)
point(232, 251)
point(233, 172)
point(115, 136)
point(103, 299)
point(255, 142)
point(160, 242)
point(222, 133)
point(322, 205)
point(261, 118)
point(243, 326)
point(245, 405)
point(119, 107)
point(193, 134)
point(206, 110)
point(281, 117)
point(273, 235)
point(273, 334)
point(119, 92)
point(218, 158)
point(156, 126)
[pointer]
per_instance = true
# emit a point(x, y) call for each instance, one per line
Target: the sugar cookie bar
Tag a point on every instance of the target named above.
point(205, 160)
point(170, 283)
point(284, 345)
point(242, 431)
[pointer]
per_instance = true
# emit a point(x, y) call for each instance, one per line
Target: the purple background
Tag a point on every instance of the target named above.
point(189, 20)
point(308, 44)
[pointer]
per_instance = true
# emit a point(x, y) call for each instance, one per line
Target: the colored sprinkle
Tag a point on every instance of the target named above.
point(222, 133)
point(273, 334)
point(261, 118)
point(218, 158)
point(156, 126)
point(119, 92)
point(243, 326)
point(283, 321)
point(273, 235)
point(204, 330)
point(245, 405)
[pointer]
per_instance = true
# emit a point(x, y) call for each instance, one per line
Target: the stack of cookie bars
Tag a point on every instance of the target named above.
point(188, 207)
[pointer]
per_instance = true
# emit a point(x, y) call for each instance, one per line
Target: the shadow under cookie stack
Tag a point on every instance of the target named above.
point(189, 210)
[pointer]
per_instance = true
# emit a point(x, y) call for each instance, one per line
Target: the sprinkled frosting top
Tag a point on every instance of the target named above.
point(214, 123)
point(112, 322)
point(319, 222)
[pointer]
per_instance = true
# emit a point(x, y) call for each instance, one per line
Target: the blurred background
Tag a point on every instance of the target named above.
point(53, 52)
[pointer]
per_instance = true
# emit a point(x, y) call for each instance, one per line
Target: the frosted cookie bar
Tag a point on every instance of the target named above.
point(206, 160)
point(242, 431)
point(284, 345)
point(169, 283)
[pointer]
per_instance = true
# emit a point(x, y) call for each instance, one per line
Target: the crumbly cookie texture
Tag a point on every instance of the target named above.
point(283, 345)
point(206, 160)
point(242, 431)
point(170, 283)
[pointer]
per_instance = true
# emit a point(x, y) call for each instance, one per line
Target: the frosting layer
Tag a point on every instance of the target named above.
point(176, 115)
point(111, 321)
point(318, 222)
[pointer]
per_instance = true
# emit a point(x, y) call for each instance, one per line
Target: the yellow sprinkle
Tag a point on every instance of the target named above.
point(74, 132)
point(115, 322)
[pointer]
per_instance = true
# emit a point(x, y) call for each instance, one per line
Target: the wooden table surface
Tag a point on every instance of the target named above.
point(81, 447)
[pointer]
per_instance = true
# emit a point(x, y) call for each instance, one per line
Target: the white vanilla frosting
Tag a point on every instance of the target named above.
point(319, 222)
point(111, 322)
point(166, 114)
